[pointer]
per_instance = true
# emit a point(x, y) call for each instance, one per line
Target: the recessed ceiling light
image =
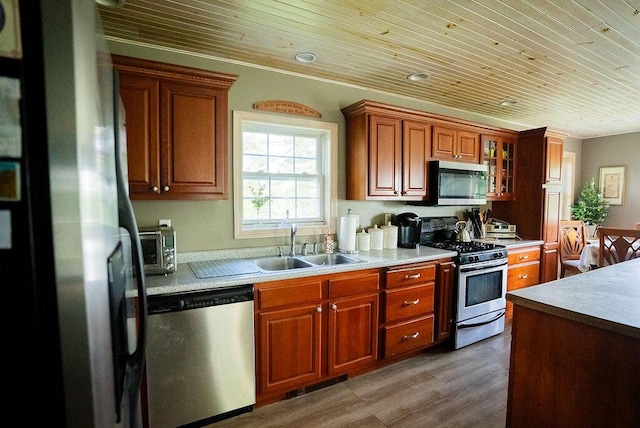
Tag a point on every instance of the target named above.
point(508, 102)
point(306, 57)
point(418, 77)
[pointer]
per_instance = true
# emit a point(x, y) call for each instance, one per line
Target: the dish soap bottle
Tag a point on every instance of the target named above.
point(329, 244)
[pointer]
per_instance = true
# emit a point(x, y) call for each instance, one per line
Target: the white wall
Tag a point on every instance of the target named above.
point(616, 150)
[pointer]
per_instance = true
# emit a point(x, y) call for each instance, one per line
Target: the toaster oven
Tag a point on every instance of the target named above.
point(158, 249)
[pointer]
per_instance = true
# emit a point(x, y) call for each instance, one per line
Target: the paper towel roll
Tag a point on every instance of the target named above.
point(347, 234)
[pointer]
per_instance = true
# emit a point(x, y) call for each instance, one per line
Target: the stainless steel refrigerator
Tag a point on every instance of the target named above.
point(69, 250)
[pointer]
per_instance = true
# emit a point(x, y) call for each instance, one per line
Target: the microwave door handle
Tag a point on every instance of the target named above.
point(478, 324)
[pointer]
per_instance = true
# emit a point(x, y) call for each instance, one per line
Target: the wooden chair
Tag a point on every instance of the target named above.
point(573, 238)
point(618, 245)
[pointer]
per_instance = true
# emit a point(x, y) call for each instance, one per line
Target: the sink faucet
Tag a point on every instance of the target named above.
point(294, 229)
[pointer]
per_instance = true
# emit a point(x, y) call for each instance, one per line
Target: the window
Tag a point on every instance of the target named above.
point(284, 172)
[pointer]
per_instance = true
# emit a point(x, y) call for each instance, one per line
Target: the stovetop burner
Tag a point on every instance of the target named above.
point(473, 252)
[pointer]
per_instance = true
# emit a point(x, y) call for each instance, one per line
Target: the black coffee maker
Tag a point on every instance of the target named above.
point(409, 229)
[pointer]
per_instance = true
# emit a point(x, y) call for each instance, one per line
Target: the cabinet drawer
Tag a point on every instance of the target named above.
point(523, 276)
point(289, 294)
point(410, 276)
point(409, 302)
point(408, 336)
point(353, 285)
point(524, 255)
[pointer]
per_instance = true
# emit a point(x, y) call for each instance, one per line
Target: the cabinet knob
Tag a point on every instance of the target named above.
point(412, 336)
point(413, 302)
point(165, 188)
point(395, 192)
point(155, 189)
point(334, 306)
point(318, 308)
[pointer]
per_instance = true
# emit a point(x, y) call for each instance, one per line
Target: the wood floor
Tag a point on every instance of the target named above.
point(441, 388)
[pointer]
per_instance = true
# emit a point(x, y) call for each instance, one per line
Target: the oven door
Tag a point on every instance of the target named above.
point(481, 302)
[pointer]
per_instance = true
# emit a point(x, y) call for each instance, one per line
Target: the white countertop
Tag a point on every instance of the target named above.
point(607, 298)
point(184, 280)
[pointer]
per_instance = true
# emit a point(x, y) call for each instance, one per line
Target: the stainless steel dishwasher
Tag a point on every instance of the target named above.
point(200, 356)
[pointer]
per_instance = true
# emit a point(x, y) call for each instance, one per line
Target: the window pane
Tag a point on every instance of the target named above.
point(283, 188)
point(280, 145)
point(307, 147)
point(252, 163)
point(278, 165)
point(254, 143)
point(308, 188)
point(306, 166)
point(308, 208)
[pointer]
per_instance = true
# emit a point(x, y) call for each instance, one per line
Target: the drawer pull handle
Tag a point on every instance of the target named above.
point(414, 302)
point(525, 276)
point(413, 336)
point(524, 256)
point(414, 276)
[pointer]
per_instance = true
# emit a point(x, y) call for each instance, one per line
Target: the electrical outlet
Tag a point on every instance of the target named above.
point(166, 223)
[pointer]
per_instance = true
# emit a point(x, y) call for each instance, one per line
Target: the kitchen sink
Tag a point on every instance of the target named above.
point(329, 259)
point(272, 264)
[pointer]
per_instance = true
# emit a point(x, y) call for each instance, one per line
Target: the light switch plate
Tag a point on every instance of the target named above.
point(166, 223)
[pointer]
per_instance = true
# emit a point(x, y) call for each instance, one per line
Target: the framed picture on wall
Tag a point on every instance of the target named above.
point(612, 184)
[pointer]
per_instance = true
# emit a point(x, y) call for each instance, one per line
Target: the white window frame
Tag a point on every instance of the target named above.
point(329, 172)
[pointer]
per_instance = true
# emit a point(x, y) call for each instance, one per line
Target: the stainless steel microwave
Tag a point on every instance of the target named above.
point(457, 183)
point(158, 249)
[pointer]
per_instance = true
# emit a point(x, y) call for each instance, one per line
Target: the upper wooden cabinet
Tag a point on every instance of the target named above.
point(386, 155)
point(176, 122)
point(499, 154)
point(389, 147)
point(455, 145)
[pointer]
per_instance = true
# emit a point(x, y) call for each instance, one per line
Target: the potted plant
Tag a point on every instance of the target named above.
point(591, 207)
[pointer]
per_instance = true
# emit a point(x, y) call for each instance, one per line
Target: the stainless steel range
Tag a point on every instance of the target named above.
point(481, 281)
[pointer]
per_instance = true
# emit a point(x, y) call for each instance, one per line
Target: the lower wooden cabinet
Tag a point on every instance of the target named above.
point(312, 329)
point(409, 308)
point(523, 271)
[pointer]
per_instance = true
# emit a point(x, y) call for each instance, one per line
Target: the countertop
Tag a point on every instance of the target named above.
point(184, 280)
point(607, 298)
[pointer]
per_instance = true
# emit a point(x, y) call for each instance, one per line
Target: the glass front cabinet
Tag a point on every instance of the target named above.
point(499, 154)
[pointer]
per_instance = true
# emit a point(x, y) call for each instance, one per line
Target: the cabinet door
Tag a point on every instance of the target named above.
point(468, 146)
point(140, 97)
point(385, 156)
point(415, 152)
point(444, 143)
point(352, 333)
point(554, 160)
point(445, 283)
point(550, 235)
point(289, 348)
point(193, 161)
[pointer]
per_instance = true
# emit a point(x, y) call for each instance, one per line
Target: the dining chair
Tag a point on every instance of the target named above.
point(573, 238)
point(618, 245)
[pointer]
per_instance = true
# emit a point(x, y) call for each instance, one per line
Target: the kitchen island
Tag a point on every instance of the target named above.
point(575, 349)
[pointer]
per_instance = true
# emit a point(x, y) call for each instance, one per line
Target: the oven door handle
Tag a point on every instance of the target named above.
point(478, 324)
point(489, 267)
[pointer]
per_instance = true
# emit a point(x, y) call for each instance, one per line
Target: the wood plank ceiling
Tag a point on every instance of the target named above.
point(571, 65)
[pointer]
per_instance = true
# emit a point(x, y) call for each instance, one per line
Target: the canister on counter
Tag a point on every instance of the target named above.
point(376, 237)
point(363, 240)
point(390, 236)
